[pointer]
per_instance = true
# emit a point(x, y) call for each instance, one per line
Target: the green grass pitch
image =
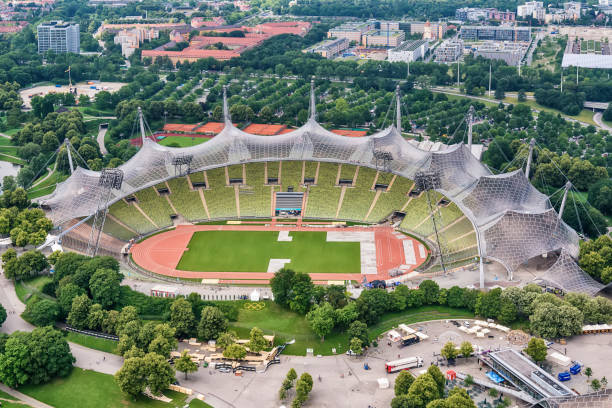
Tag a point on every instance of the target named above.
point(251, 251)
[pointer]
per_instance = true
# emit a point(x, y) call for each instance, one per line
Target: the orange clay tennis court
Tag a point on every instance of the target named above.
point(161, 253)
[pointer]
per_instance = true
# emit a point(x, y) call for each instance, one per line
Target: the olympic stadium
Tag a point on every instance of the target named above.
point(413, 208)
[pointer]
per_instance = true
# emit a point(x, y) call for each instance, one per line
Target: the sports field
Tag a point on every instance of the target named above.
point(251, 251)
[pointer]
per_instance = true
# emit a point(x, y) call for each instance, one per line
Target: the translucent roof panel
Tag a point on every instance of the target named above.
point(516, 237)
point(567, 275)
point(492, 195)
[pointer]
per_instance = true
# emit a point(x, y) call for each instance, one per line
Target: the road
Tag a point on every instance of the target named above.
point(101, 133)
point(597, 118)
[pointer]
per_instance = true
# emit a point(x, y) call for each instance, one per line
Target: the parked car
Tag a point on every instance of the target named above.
point(575, 369)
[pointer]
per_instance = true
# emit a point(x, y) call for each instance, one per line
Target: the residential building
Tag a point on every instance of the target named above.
point(408, 51)
point(497, 33)
point(201, 22)
point(351, 31)
point(387, 25)
point(572, 10)
point(471, 14)
point(605, 2)
point(131, 39)
point(503, 16)
point(378, 38)
point(449, 51)
point(329, 48)
point(534, 9)
point(59, 36)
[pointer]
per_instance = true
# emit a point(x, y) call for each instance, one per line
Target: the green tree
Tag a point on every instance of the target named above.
point(182, 317)
point(588, 372)
point(104, 287)
point(356, 346)
point(2, 317)
point(438, 377)
point(257, 342)
point(595, 384)
point(287, 384)
point(403, 382)
point(132, 377)
point(159, 373)
point(65, 295)
point(184, 364)
point(359, 329)
point(536, 349)
point(41, 312)
point(423, 390)
point(466, 349)
point(301, 293)
point(303, 386)
point(449, 351)
point(79, 313)
point(430, 291)
point(212, 323)
point(225, 339)
point(281, 285)
point(234, 352)
point(35, 357)
point(321, 319)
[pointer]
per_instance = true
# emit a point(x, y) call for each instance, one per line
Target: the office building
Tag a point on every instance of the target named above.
point(449, 51)
point(59, 37)
point(408, 51)
point(329, 48)
point(511, 53)
point(500, 33)
point(377, 38)
point(351, 31)
point(430, 31)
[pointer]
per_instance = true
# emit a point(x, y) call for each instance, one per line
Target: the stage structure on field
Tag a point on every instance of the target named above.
point(513, 221)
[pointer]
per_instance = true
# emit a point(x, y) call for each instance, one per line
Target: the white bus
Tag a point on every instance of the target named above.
point(403, 364)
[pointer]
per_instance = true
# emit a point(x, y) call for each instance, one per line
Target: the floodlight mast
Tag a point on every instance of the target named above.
point(529, 158)
point(110, 179)
point(398, 121)
point(313, 105)
point(67, 143)
point(568, 185)
point(470, 119)
point(426, 182)
point(142, 127)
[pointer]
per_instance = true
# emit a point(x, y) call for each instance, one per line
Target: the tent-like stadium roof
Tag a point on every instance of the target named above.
point(514, 222)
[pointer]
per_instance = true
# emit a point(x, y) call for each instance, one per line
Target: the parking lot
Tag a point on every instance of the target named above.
point(345, 383)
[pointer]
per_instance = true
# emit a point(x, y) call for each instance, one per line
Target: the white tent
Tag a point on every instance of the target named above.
point(255, 296)
point(394, 335)
point(383, 383)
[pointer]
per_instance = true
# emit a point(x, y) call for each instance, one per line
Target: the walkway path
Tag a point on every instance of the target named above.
point(598, 118)
point(100, 139)
point(24, 398)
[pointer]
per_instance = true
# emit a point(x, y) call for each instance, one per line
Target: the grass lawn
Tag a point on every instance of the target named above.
point(47, 186)
point(11, 132)
point(91, 342)
point(85, 388)
point(196, 403)
point(25, 289)
point(286, 326)
point(10, 159)
point(180, 141)
point(251, 251)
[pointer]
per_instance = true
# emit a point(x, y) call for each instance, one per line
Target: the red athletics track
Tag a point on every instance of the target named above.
point(162, 252)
